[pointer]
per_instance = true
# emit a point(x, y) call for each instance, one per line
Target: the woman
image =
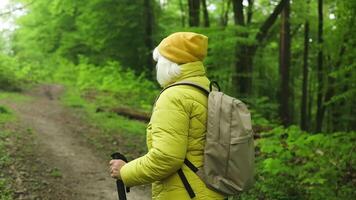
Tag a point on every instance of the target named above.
point(177, 127)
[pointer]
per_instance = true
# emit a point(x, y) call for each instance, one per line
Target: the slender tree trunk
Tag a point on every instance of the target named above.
point(225, 12)
point(194, 12)
point(304, 103)
point(182, 12)
point(263, 30)
point(330, 92)
point(149, 33)
point(310, 100)
point(242, 77)
point(284, 65)
point(242, 67)
point(249, 11)
point(238, 12)
point(206, 14)
point(320, 109)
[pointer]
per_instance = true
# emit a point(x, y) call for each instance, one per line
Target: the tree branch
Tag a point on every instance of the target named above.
point(16, 9)
point(261, 35)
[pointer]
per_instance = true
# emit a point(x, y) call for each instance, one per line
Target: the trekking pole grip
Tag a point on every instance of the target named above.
point(119, 183)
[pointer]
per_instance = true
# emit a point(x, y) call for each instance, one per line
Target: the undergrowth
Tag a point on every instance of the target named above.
point(6, 192)
point(117, 133)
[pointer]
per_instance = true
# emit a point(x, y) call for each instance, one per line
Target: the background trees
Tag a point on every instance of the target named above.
point(302, 48)
point(292, 62)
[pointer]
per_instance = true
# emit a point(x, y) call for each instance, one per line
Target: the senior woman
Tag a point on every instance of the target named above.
point(177, 127)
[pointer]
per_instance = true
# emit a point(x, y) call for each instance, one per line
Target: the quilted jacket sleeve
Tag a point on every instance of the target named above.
point(170, 124)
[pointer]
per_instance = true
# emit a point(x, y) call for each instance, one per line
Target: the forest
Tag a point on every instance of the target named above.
point(292, 63)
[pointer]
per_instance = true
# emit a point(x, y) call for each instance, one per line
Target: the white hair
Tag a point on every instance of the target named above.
point(167, 71)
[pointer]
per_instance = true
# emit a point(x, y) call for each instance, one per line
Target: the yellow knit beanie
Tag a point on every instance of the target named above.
point(184, 47)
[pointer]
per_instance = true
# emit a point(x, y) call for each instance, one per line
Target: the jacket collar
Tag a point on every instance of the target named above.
point(190, 70)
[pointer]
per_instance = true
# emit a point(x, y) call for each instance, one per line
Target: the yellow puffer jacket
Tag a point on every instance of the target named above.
point(176, 131)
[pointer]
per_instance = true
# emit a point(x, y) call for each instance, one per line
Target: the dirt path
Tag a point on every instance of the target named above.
point(60, 146)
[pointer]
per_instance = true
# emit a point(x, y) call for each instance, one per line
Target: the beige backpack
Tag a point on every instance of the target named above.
point(229, 149)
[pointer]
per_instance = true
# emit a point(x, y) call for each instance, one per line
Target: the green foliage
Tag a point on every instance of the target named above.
point(110, 122)
point(56, 173)
point(110, 84)
point(99, 50)
point(114, 128)
point(8, 79)
point(5, 191)
point(5, 115)
point(5, 186)
point(263, 107)
point(84, 28)
point(292, 164)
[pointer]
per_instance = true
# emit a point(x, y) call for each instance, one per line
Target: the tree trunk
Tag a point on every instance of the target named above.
point(330, 92)
point(284, 65)
point(206, 14)
point(262, 33)
point(242, 66)
point(149, 35)
point(249, 11)
point(310, 100)
point(127, 112)
point(238, 12)
point(320, 108)
point(182, 12)
point(194, 12)
point(225, 13)
point(242, 77)
point(304, 103)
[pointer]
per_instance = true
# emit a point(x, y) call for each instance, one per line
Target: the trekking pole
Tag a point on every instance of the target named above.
point(119, 183)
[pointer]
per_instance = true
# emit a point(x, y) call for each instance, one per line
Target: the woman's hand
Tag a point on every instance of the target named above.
point(115, 167)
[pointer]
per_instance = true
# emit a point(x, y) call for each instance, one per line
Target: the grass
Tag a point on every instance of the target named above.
point(56, 173)
point(5, 160)
point(5, 191)
point(14, 96)
point(115, 131)
point(5, 116)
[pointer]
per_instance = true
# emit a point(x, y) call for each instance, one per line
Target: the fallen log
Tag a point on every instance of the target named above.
point(145, 117)
point(128, 112)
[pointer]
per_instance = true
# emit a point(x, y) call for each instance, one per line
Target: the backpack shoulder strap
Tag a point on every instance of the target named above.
point(201, 88)
point(212, 86)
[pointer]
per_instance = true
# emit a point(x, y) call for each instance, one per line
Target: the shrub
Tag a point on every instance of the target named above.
point(292, 164)
point(112, 85)
point(8, 80)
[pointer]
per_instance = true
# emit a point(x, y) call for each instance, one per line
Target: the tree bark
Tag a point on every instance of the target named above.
point(182, 12)
point(194, 13)
point(242, 77)
point(262, 33)
point(149, 35)
point(310, 100)
point(304, 103)
point(206, 14)
point(249, 11)
point(225, 13)
point(284, 65)
point(330, 92)
point(242, 65)
point(127, 112)
point(238, 12)
point(320, 112)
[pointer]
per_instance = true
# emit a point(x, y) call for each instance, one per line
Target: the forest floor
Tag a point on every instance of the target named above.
point(52, 158)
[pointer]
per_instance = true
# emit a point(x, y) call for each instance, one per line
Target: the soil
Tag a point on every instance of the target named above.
point(61, 162)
